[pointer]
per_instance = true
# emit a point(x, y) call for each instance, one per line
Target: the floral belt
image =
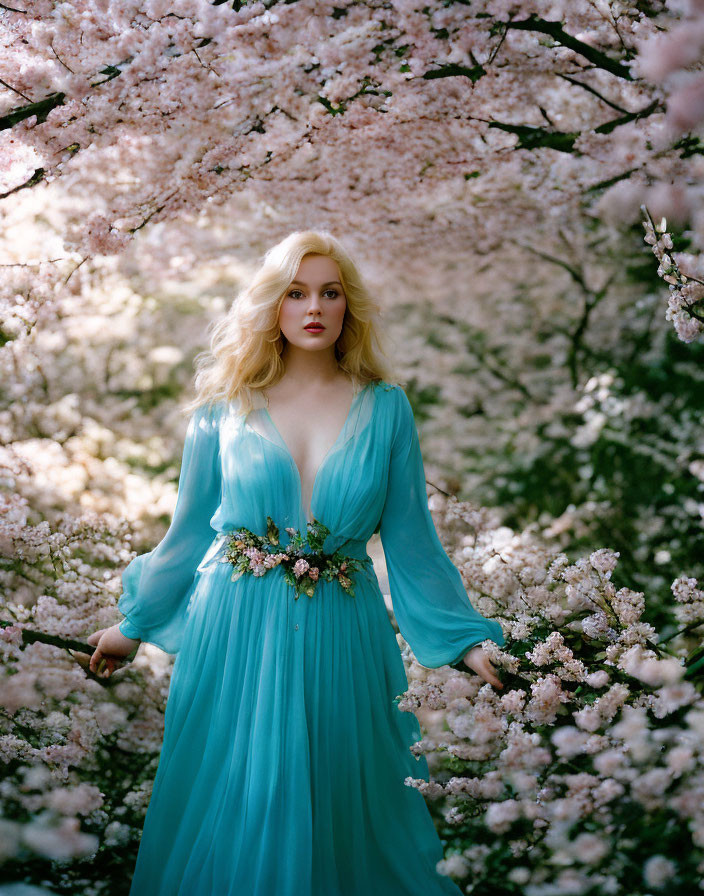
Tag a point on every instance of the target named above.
point(303, 568)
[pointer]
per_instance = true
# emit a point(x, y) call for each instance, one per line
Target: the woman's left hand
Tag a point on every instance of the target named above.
point(111, 647)
point(480, 663)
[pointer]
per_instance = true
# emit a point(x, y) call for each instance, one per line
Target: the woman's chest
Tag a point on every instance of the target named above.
point(344, 485)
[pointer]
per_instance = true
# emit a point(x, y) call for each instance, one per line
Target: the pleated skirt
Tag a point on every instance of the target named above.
point(284, 755)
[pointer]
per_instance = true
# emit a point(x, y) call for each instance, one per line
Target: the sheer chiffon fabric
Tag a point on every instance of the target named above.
point(284, 755)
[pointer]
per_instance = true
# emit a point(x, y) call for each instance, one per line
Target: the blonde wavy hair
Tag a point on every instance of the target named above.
point(246, 345)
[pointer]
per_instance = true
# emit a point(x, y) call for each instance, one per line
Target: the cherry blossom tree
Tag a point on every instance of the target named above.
point(492, 164)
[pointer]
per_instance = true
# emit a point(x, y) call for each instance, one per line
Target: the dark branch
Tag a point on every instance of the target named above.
point(41, 109)
point(557, 32)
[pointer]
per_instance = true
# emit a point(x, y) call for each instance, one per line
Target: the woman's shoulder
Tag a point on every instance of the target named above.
point(395, 403)
point(208, 414)
point(387, 386)
point(395, 392)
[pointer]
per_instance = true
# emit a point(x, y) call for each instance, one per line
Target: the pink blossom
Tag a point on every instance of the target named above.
point(300, 567)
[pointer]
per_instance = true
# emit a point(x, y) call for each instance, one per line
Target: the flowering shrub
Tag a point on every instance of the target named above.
point(586, 773)
point(78, 755)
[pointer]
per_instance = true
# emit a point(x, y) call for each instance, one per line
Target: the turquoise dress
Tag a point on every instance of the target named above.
point(284, 754)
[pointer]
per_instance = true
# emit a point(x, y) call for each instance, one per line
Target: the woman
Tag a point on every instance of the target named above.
point(284, 756)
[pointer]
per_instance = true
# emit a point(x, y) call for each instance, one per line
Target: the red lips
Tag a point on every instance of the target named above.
point(314, 327)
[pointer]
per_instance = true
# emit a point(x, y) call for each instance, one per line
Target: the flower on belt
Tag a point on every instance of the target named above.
point(303, 560)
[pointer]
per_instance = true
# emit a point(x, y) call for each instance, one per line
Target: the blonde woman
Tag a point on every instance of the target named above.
point(284, 755)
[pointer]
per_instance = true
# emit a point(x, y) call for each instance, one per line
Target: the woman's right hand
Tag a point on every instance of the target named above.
point(480, 663)
point(111, 646)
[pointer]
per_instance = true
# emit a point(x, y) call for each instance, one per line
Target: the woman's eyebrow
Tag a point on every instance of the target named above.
point(329, 283)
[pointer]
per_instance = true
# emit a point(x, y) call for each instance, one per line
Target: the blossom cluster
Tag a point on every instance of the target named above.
point(686, 300)
point(303, 561)
point(595, 741)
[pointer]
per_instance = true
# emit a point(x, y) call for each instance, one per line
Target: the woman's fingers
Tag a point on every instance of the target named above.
point(482, 666)
point(95, 661)
point(100, 664)
point(491, 676)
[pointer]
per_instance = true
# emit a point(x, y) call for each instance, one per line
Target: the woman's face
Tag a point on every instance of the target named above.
point(314, 296)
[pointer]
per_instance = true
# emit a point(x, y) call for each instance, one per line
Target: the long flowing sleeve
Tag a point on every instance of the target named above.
point(431, 605)
point(156, 586)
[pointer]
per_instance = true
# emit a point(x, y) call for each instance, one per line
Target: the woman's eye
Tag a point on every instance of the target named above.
point(334, 292)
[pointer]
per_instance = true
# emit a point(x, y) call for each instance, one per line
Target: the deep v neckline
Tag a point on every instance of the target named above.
point(355, 398)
